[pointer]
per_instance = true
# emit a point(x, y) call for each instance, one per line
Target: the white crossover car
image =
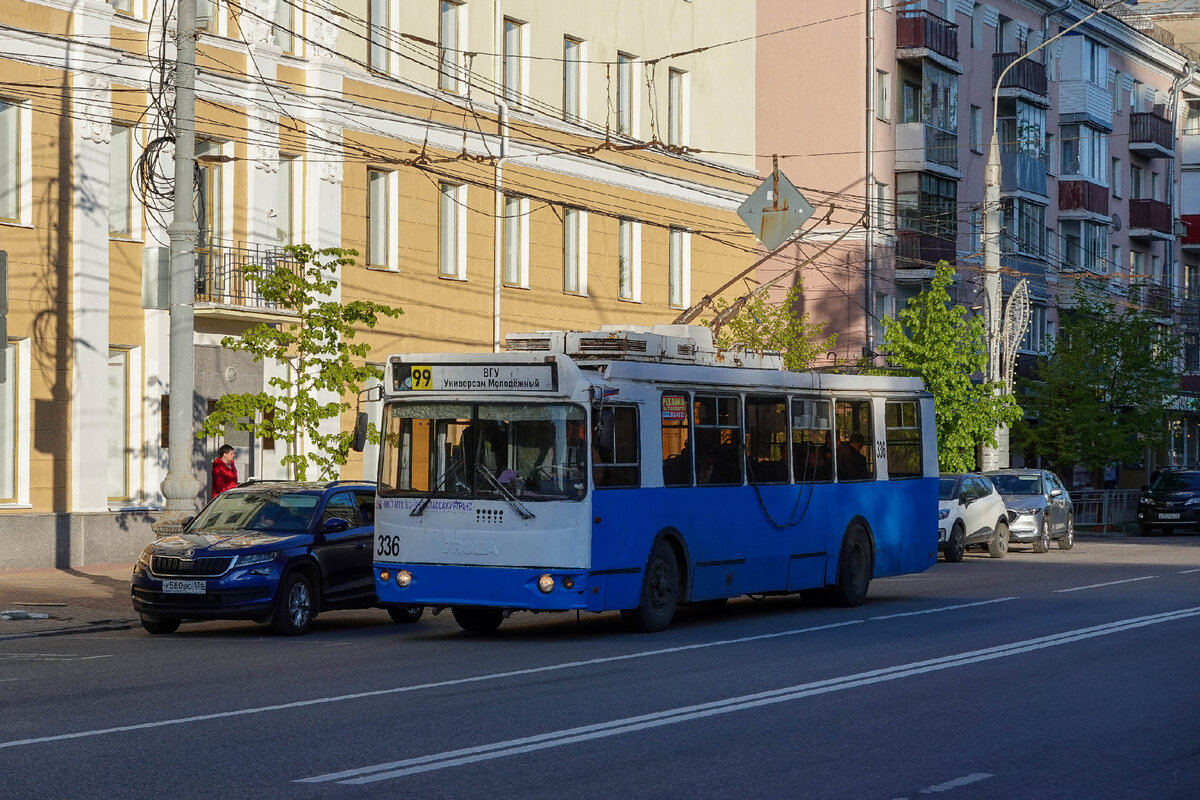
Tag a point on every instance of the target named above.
point(970, 512)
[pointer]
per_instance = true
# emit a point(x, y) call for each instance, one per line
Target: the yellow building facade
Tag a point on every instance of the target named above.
point(499, 166)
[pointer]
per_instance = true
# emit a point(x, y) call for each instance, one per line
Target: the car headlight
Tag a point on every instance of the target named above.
point(144, 558)
point(1192, 501)
point(256, 558)
point(1024, 512)
point(943, 513)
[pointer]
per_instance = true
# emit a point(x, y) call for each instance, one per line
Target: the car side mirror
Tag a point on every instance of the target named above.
point(359, 440)
point(1056, 492)
point(334, 525)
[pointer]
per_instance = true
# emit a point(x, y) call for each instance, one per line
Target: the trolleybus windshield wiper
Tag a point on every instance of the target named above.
point(509, 497)
point(419, 508)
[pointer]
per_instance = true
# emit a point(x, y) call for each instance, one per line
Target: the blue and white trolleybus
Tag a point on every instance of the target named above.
point(637, 469)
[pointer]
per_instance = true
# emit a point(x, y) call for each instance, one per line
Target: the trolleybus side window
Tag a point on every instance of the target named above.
point(676, 432)
point(812, 437)
point(719, 444)
point(854, 455)
point(615, 460)
point(903, 435)
point(766, 439)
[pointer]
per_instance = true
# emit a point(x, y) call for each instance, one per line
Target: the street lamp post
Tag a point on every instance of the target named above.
point(998, 457)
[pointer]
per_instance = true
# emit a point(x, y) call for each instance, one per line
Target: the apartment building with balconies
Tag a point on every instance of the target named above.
point(897, 106)
point(499, 165)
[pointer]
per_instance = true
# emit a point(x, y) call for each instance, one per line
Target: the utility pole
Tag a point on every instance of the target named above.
point(998, 457)
point(180, 486)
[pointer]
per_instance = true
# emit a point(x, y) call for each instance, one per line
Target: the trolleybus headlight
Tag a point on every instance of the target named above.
point(385, 576)
point(568, 582)
point(546, 584)
point(403, 578)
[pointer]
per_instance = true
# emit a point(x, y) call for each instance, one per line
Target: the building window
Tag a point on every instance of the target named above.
point(977, 26)
point(118, 425)
point(626, 86)
point(1135, 97)
point(677, 108)
point(513, 62)
point(1084, 245)
point(208, 16)
point(1117, 80)
point(882, 211)
point(516, 241)
point(883, 95)
point(1084, 152)
point(574, 251)
point(9, 419)
point(12, 159)
point(1025, 227)
point(210, 216)
point(629, 260)
point(122, 6)
point(380, 22)
point(1035, 340)
point(286, 200)
point(453, 231)
point(1155, 186)
point(573, 63)
point(1137, 265)
point(975, 232)
point(380, 228)
point(120, 166)
point(679, 266)
point(1114, 261)
point(1136, 182)
point(1191, 121)
point(1191, 277)
point(285, 25)
point(1114, 177)
point(1095, 63)
point(449, 49)
point(1051, 154)
point(976, 135)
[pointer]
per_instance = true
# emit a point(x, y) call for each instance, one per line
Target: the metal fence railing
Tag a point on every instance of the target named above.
point(1105, 509)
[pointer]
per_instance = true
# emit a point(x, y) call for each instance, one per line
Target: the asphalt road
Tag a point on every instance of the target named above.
point(1062, 675)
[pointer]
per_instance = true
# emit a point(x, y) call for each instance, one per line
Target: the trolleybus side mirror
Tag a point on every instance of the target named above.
point(360, 432)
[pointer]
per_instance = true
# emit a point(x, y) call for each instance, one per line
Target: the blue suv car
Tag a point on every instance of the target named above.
point(274, 551)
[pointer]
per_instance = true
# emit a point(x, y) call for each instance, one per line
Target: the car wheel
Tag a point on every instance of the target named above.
point(956, 545)
point(998, 544)
point(160, 625)
point(855, 566)
point(1042, 543)
point(403, 615)
point(295, 607)
point(660, 592)
point(1067, 540)
point(477, 619)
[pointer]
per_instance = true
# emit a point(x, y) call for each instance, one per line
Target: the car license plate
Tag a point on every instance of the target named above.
point(1168, 516)
point(185, 587)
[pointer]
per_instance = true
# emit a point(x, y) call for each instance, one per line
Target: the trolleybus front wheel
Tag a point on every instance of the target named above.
point(660, 592)
point(477, 619)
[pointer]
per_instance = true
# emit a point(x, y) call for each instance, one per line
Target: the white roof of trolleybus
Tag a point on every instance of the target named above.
point(662, 354)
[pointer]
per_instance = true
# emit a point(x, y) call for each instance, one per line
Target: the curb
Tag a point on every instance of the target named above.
point(97, 627)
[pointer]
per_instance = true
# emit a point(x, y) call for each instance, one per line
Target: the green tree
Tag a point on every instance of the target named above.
point(940, 342)
point(1101, 395)
point(320, 354)
point(775, 327)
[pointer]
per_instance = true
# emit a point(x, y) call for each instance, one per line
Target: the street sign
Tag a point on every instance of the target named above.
point(775, 210)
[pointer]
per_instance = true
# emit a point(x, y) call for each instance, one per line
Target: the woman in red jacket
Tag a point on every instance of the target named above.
point(224, 471)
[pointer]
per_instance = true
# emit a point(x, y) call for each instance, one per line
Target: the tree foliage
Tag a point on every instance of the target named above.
point(1102, 393)
point(775, 327)
point(321, 357)
point(940, 342)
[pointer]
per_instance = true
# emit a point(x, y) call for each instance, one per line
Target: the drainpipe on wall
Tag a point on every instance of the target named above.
point(869, 305)
point(498, 211)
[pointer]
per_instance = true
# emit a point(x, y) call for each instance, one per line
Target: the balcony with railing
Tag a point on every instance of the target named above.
point(919, 31)
point(921, 147)
point(921, 250)
point(1155, 297)
point(1082, 196)
point(1027, 78)
point(1022, 172)
point(225, 286)
point(1150, 219)
point(1191, 231)
point(1151, 135)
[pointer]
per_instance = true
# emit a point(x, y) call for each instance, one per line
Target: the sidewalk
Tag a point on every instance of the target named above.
point(49, 602)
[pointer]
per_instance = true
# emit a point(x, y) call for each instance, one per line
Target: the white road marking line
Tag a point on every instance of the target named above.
point(1189, 571)
point(944, 608)
point(420, 686)
point(511, 747)
point(1110, 583)
point(957, 783)
point(48, 657)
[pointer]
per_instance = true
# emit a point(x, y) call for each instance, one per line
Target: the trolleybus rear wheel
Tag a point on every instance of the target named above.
point(855, 566)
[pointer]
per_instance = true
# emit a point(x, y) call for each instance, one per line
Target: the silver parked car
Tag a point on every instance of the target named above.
point(1039, 507)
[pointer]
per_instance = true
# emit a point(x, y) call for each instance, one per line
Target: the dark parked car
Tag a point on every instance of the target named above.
point(1039, 507)
point(1171, 502)
point(277, 552)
